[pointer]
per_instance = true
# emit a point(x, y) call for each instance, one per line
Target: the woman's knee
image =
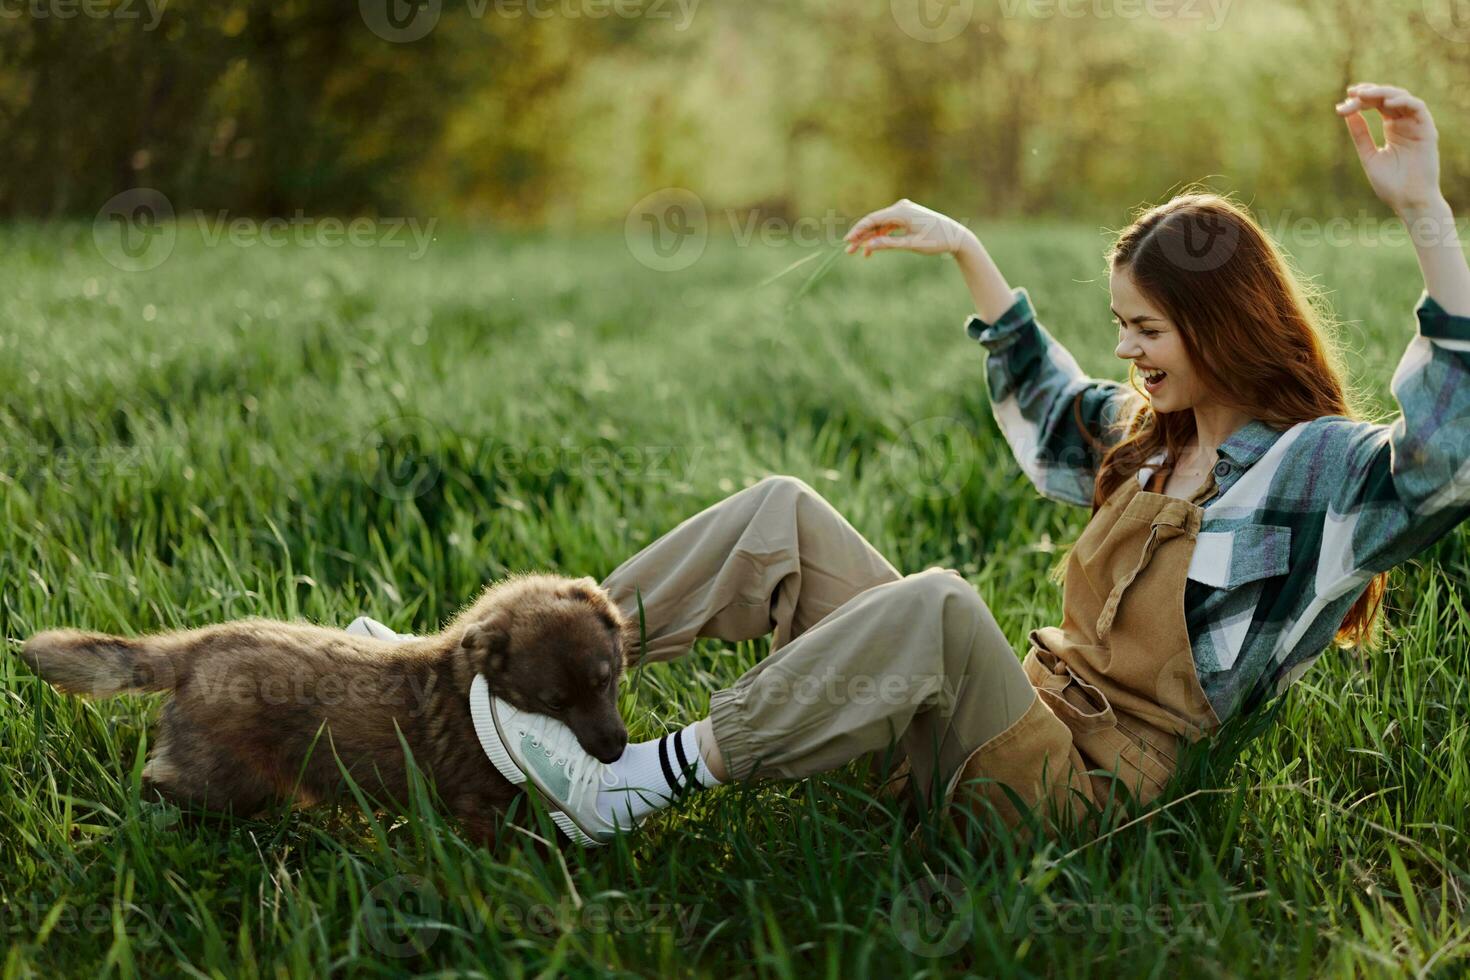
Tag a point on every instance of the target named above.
point(945, 594)
point(790, 494)
point(780, 484)
point(937, 584)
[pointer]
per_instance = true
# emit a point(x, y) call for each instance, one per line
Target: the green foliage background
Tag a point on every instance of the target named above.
point(537, 112)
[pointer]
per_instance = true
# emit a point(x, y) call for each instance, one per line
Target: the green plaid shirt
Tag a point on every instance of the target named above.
point(1302, 519)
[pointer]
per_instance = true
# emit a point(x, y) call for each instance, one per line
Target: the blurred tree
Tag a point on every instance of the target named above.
point(535, 112)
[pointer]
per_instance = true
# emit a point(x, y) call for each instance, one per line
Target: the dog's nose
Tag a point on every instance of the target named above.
point(612, 749)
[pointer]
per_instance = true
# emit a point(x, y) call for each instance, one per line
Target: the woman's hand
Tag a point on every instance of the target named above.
point(1404, 171)
point(918, 230)
point(931, 233)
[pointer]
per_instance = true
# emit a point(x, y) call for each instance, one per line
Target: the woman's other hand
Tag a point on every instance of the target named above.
point(910, 227)
point(1404, 171)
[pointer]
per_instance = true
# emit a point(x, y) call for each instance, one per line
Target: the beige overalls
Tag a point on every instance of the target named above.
point(1117, 683)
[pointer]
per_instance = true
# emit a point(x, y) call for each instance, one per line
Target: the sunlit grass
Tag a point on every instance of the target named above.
point(201, 442)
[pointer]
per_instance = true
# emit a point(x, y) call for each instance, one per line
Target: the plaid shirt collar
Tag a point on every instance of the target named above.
point(1237, 453)
point(1248, 443)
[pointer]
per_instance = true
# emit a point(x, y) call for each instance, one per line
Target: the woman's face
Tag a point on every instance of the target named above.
point(1152, 343)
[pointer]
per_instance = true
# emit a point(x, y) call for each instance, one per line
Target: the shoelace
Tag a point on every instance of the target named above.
point(563, 749)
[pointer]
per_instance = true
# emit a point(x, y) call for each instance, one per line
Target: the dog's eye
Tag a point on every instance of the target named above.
point(553, 704)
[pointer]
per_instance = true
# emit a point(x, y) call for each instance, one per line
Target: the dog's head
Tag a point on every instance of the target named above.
point(554, 646)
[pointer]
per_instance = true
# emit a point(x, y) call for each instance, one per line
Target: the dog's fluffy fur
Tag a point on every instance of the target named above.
point(263, 711)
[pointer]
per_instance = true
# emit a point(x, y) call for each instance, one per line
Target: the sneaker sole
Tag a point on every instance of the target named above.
point(487, 722)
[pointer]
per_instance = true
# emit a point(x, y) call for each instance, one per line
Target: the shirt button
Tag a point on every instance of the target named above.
point(1222, 469)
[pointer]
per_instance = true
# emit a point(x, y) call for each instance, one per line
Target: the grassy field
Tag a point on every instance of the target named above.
point(225, 435)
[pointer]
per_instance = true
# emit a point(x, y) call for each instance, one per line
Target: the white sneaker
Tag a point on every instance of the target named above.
point(539, 749)
point(363, 626)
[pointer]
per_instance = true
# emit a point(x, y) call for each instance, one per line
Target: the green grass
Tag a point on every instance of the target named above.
point(202, 442)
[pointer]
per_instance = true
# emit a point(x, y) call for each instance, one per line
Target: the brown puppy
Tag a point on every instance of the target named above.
point(260, 708)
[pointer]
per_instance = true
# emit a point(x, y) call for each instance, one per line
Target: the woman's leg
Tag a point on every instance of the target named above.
point(775, 556)
point(862, 657)
point(919, 660)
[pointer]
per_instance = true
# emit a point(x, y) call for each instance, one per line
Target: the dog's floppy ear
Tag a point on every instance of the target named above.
point(489, 639)
point(585, 588)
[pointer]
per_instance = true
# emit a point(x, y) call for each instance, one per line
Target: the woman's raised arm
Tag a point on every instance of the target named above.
point(1404, 173)
point(1056, 419)
point(1406, 484)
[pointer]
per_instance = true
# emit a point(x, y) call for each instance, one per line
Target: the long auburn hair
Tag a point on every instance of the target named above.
point(1260, 337)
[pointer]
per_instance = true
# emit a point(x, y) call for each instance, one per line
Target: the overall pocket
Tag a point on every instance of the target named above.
point(1106, 742)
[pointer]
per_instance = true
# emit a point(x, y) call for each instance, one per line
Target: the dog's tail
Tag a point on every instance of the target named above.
point(80, 662)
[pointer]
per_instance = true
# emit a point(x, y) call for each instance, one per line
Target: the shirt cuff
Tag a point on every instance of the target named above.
point(1436, 324)
point(1002, 333)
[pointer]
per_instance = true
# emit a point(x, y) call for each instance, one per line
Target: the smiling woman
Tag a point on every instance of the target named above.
point(1239, 372)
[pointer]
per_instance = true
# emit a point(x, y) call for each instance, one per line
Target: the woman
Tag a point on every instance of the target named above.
point(1241, 520)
